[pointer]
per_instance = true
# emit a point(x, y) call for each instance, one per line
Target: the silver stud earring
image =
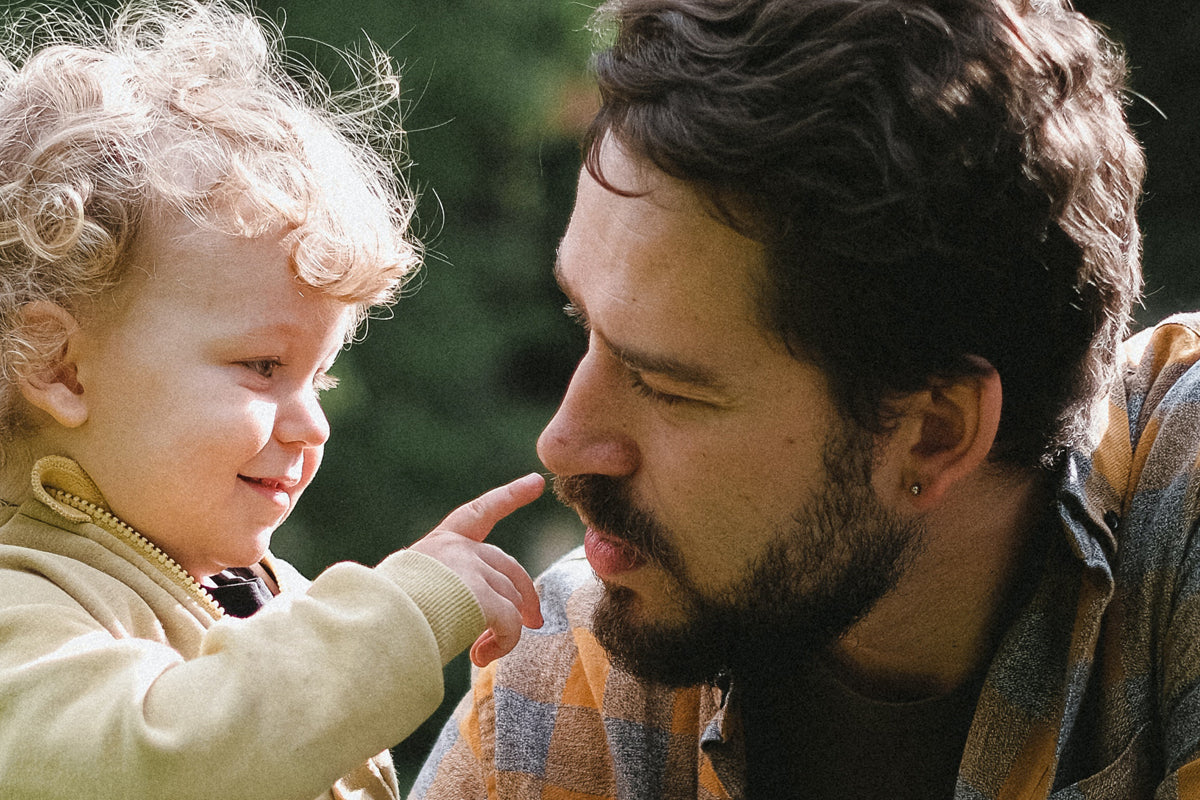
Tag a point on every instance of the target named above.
point(915, 489)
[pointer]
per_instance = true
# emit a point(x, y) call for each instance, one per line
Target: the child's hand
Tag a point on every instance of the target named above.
point(503, 589)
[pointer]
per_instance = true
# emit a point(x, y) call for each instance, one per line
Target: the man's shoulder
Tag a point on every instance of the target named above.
point(563, 663)
point(555, 718)
point(1159, 379)
point(568, 590)
point(1161, 354)
point(563, 647)
point(1185, 320)
point(1144, 468)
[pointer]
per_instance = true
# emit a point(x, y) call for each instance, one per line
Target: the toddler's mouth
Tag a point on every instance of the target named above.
point(272, 484)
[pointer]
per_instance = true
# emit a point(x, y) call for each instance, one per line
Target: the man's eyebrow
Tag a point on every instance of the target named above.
point(640, 361)
point(675, 369)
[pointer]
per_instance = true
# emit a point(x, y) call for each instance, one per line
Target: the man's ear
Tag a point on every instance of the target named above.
point(49, 381)
point(947, 432)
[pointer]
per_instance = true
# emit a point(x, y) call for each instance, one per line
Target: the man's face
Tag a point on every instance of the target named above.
point(723, 494)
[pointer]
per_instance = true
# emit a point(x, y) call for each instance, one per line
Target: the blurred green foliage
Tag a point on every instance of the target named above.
point(446, 398)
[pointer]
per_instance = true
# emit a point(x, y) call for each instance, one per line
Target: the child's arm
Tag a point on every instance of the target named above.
point(501, 587)
point(97, 701)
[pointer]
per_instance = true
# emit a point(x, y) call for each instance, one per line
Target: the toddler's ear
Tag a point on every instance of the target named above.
point(49, 382)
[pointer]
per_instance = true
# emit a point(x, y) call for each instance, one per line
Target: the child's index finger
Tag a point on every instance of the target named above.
point(476, 518)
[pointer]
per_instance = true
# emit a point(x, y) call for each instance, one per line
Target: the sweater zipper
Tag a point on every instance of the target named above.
point(146, 548)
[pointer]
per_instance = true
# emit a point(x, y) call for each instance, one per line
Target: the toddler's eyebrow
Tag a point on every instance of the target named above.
point(271, 328)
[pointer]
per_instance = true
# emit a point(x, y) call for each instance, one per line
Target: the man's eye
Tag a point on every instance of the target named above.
point(263, 366)
point(645, 390)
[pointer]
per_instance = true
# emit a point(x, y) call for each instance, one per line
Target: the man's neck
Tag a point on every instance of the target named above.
point(940, 626)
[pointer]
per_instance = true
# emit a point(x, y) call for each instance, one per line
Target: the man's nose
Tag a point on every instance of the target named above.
point(590, 432)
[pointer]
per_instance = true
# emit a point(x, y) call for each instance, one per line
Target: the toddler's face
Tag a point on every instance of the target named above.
point(201, 375)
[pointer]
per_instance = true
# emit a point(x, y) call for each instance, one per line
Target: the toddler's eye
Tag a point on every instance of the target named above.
point(263, 366)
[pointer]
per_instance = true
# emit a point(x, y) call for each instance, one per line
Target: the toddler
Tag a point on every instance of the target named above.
point(187, 240)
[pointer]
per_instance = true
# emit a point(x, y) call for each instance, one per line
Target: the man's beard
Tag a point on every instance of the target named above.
point(814, 580)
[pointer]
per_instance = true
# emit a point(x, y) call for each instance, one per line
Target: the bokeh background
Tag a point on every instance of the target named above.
point(445, 399)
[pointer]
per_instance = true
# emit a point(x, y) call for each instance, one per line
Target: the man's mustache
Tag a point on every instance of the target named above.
point(605, 504)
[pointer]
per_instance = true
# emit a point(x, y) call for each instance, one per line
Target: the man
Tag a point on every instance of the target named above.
point(877, 506)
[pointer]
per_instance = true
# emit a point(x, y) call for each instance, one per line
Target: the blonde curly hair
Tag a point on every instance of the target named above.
point(185, 107)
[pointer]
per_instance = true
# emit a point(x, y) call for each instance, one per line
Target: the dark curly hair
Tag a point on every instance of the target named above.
point(935, 181)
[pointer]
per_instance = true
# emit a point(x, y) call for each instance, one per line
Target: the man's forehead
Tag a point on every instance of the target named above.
point(660, 238)
point(620, 170)
point(665, 290)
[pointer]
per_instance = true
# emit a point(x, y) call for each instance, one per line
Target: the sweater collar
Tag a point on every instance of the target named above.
point(60, 472)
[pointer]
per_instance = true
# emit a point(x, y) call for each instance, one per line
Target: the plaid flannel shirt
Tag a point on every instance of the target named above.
point(1093, 692)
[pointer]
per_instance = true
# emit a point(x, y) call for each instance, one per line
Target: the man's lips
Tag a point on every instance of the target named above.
point(608, 555)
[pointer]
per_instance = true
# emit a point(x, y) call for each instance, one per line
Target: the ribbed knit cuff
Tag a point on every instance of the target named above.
point(448, 605)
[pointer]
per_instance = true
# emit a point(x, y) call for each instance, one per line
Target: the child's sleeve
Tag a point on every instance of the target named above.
point(279, 705)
